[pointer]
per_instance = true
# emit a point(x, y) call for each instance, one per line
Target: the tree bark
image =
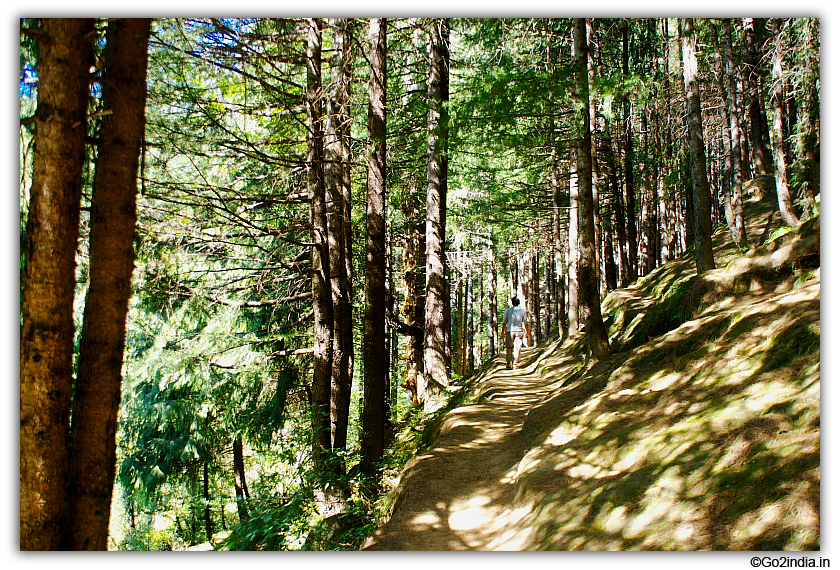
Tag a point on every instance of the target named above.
point(493, 307)
point(46, 343)
point(321, 293)
point(336, 157)
point(629, 177)
point(208, 519)
point(735, 130)
point(780, 156)
point(754, 29)
point(617, 205)
point(96, 402)
point(572, 255)
point(435, 361)
point(808, 139)
point(374, 414)
point(413, 261)
point(535, 294)
point(596, 170)
point(240, 485)
point(596, 332)
point(558, 247)
point(726, 141)
point(703, 255)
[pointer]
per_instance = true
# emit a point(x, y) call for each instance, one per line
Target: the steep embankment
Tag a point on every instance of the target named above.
point(701, 432)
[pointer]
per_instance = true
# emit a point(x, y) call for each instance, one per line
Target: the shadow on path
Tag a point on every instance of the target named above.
point(459, 493)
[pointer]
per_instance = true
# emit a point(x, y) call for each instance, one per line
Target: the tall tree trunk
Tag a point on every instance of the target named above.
point(493, 307)
point(46, 343)
point(435, 358)
point(808, 139)
point(703, 255)
point(754, 28)
point(735, 131)
point(470, 324)
point(726, 141)
point(93, 450)
point(460, 313)
point(573, 252)
point(629, 180)
point(208, 519)
point(596, 170)
point(240, 485)
point(535, 294)
point(376, 375)
point(321, 292)
point(596, 332)
point(413, 261)
point(444, 181)
point(558, 247)
point(549, 294)
point(780, 156)
point(617, 204)
point(610, 269)
point(336, 157)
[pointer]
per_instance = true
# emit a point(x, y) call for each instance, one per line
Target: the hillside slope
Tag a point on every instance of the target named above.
point(701, 432)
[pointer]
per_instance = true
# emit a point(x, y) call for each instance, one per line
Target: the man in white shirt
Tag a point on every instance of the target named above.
point(514, 328)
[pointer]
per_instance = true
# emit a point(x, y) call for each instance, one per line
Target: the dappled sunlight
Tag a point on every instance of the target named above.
point(705, 437)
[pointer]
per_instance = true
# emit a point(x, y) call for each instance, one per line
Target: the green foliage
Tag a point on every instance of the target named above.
point(146, 538)
point(272, 524)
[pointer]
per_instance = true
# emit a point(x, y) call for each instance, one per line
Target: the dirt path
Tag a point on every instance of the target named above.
point(458, 494)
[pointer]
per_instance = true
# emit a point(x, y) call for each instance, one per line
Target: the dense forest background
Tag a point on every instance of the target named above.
point(253, 250)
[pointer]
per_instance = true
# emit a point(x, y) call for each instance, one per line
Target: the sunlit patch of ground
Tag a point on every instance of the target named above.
point(704, 436)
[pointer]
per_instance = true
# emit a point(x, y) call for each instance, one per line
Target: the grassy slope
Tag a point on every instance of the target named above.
point(702, 431)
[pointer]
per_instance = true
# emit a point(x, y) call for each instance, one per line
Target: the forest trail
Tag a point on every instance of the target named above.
point(458, 495)
point(701, 432)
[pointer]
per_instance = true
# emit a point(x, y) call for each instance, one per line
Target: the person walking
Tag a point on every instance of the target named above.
point(514, 328)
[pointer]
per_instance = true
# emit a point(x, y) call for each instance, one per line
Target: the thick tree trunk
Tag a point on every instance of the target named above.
point(374, 413)
point(703, 255)
point(808, 139)
point(321, 293)
point(435, 358)
point(596, 332)
point(336, 157)
point(96, 402)
point(46, 343)
point(780, 156)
